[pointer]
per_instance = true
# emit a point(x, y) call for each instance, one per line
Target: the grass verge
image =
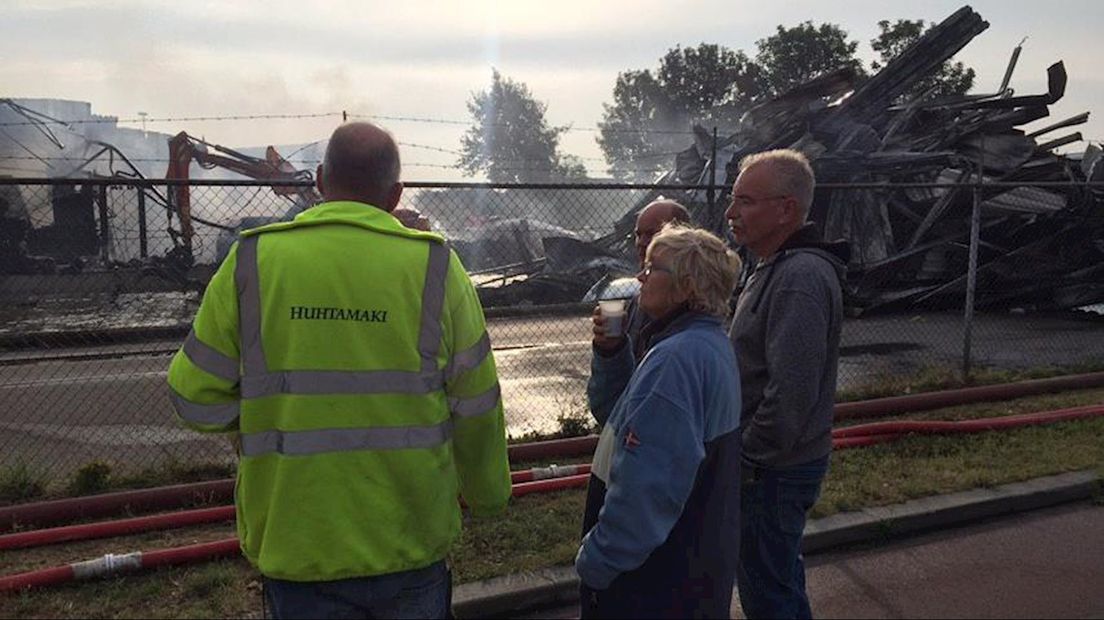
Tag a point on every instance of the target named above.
point(21, 484)
point(543, 530)
point(936, 378)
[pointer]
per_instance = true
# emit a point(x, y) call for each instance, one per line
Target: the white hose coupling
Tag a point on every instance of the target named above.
point(107, 565)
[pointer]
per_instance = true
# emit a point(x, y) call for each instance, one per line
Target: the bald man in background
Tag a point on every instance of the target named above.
point(601, 395)
point(650, 221)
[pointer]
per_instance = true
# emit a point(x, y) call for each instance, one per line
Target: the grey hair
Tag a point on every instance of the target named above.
point(368, 168)
point(701, 265)
point(792, 170)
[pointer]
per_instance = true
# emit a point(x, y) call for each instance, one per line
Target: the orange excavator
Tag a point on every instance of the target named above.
point(184, 149)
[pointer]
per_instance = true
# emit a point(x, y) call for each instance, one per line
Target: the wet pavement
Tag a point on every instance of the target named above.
point(1041, 564)
point(109, 401)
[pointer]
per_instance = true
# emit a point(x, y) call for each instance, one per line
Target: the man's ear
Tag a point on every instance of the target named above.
point(393, 196)
point(318, 180)
point(791, 212)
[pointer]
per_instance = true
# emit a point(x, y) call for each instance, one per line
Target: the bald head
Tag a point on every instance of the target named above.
point(652, 218)
point(362, 164)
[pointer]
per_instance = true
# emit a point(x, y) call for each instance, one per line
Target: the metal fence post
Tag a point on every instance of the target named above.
point(971, 272)
point(143, 246)
point(105, 230)
point(710, 193)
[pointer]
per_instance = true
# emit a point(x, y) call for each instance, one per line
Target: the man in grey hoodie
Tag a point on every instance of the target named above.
point(786, 332)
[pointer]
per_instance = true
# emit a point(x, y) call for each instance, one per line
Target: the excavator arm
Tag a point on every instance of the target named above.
point(183, 149)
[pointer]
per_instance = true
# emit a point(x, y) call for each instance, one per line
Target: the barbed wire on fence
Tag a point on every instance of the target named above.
point(303, 116)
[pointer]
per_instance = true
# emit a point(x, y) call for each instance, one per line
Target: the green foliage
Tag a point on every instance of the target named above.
point(93, 477)
point(543, 530)
point(18, 483)
point(537, 531)
point(574, 420)
point(951, 78)
point(219, 589)
point(710, 85)
point(575, 424)
point(925, 465)
point(792, 56)
point(173, 472)
point(510, 140)
point(935, 377)
point(209, 580)
point(98, 476)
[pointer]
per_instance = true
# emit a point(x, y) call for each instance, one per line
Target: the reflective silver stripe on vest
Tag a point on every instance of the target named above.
point(433, 299)
point(340, 382)
point(222, 414)
point(468, 407)
point(257, 381)
point(248, 280)
point(304, 443)
point(209, 360)
point(469, 358)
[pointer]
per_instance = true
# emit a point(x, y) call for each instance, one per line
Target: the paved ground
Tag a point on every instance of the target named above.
point(1041, 564)
point(78, 410)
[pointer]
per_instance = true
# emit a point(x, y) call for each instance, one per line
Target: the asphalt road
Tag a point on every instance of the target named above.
point(58, 414)
point(58, 411)
point(1041, 564)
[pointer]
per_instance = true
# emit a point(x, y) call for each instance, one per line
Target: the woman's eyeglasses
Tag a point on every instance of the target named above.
point(649, 268)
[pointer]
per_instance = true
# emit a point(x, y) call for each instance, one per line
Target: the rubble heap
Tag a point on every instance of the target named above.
point(1042, 238)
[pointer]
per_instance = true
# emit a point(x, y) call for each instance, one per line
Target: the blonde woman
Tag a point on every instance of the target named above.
point(661, 529)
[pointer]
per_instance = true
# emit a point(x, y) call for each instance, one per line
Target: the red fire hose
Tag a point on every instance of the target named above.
point(222, 491)
point(894, 430)
point(558, 477)
point(111, 564)
point(536, 480)
point(552, 471)
point(555, 479)
point(895, 405)
point(109, 504)
point(843, 443)
point(122, 527)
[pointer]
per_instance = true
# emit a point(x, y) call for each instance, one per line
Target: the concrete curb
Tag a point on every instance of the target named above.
point(513, 594)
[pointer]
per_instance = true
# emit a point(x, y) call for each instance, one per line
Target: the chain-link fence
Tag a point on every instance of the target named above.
point(100, 280)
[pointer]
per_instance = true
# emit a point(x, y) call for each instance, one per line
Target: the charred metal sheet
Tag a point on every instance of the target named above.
point(1040, 246)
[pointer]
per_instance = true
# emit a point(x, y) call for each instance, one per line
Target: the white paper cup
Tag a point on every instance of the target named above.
point(613, 310)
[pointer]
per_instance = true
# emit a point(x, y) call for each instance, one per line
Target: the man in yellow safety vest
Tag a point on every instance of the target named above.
point(352, 356)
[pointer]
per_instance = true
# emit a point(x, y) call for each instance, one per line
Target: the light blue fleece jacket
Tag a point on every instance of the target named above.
point(684, 395)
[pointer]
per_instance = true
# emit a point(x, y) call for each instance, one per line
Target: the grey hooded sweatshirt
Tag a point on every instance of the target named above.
point(786, 331)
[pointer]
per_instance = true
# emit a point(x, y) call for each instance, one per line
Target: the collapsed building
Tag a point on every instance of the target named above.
point(897, 178)
point(912, 166)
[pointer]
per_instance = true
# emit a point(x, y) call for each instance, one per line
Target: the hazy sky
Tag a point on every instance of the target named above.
point(425, 59)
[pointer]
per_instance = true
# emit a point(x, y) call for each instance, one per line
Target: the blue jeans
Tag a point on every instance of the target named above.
point(773, 503)
point(422, 593)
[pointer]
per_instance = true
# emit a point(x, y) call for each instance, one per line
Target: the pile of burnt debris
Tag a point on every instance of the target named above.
point(898, 178)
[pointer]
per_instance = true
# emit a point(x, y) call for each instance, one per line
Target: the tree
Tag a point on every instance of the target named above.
point(950, 79)
point(510, 141)
point(792, 56)
point(651, 113)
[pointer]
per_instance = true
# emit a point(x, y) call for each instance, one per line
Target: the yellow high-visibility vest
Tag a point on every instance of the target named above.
point(352, 355)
